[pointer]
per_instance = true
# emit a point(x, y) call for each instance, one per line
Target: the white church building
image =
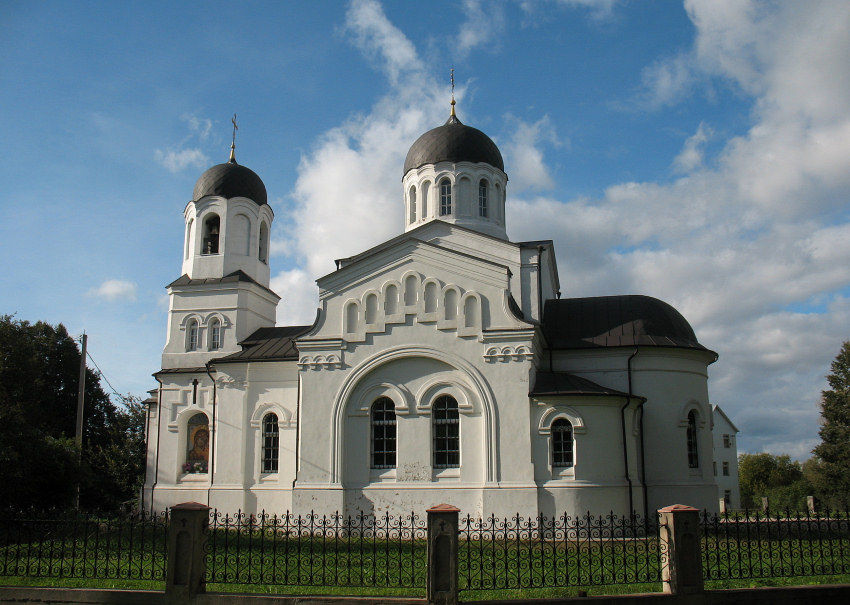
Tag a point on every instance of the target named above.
point(443, 366)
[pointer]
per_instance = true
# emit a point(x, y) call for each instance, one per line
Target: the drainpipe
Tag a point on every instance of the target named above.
point(156, 458)
point(214, 440)
point(643, 462)
point(623, 427)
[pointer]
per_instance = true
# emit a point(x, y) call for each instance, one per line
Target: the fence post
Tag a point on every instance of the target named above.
point(442, 554)
point(187, 562)
point(680, 541)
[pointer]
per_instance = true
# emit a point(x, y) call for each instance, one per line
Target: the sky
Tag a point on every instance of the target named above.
point(696, 151)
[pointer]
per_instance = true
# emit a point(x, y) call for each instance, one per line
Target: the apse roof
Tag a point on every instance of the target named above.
point(453, 142)
point(231, 180)
point(268, 344)
point(615, 321)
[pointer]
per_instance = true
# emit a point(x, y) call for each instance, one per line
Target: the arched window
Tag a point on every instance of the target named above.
point(264, 243)
point(197, 444)
point(410, 288)
point(351, 313)
point(482, 198)
point(445, 197)
point(189, 237)
point(562, 443)
point(693, 449)
point(215, 335)
point(446, 432)
point(371, 309)
point(383, 433)
point(239, 235)
point(212, 224)
point(470, 312)
point(192, 336)
point(271, 443)
point(412, 200)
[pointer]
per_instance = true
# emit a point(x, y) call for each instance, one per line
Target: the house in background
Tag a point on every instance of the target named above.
point(443, 366)
point(725, 458)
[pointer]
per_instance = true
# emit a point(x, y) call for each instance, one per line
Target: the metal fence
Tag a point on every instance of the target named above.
point(771, 545)
point(317, 550)
point(538, 552)
point(77, 545)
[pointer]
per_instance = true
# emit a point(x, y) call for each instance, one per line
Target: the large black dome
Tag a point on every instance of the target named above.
point(231, 180)
point(453, 142)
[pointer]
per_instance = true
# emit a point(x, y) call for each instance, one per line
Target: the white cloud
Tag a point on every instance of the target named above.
point(201, 127)
point(483, 25)
point(524, 154)
point(114, 289)
point(691, 156)
point(177, 160)
point(666, 81)
point(299, 297)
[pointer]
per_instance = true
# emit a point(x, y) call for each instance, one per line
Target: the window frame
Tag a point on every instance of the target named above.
point(383, 434)
point(216, 338)
point(270, 451)
point(193, 335)
point(692, 441)
point(483, 198)
point(445, 197)
point(562, 447)
point(445, 433)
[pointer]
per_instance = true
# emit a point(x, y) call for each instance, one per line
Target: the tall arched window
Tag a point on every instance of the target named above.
point(412, 201)
point(446, 432)
point(215, 335)
point(383, 433)
point(482, 198)
point(693, 449)
point(430, 297)
point(197, 444)
point(212, 225)
point(271, 443)
point(371, 309)
point(189, 237)
point(391, 300)
point(450, 303)
point(192, 336)
point(445, 197)
point(562, 443)
point(264, 243)
point(351, 313)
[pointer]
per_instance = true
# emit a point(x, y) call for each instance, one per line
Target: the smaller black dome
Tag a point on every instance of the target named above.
point(231, 180)
point(453, 142)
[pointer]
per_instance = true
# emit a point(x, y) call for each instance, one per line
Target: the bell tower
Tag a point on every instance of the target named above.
point(223, 295)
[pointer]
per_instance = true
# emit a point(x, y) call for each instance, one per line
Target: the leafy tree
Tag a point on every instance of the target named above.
point(834, 450)
point(766, 475)
point(40, 464)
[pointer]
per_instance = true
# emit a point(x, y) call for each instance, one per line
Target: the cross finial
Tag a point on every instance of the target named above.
point(453, 91)
point(233, 142)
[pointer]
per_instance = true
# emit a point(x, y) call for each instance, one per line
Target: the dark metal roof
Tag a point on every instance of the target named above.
point(268, 344)
point(232, 278)
point(564, 383)
point(231, 180)
point(615, 321)
point(453, 142)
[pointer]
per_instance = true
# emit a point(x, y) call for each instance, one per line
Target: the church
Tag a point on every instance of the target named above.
point(443, 366)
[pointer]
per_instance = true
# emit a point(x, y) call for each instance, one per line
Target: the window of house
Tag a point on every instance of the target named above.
point(562, 443)
point(727, 441)
point(192, 336)
point(383, 433)
point(412, 197)
point(264, 243)
point(693, 453)
point(215, 335)
point(197, 444)
point(446, 432)
point(211, 230)
point(271, 443)
point(725, 469)
point(445, 197)
point(482, 198)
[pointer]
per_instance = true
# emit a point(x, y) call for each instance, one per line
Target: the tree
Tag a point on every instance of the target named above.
point(39, 459)
point(778, 478)
point(834, 449)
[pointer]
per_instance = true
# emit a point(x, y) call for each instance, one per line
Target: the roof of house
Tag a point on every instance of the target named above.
point(232, 278)
point(564, 383)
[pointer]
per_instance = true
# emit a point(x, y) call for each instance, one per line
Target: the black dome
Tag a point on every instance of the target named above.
point(231, 180)
point(453, 142)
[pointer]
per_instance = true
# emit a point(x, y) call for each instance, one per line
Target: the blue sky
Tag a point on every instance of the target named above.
point(698, 152)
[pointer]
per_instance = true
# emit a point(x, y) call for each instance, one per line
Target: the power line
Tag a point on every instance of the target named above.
point(102, 375)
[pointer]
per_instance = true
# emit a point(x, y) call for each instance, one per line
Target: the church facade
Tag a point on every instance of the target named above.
point(443, 366)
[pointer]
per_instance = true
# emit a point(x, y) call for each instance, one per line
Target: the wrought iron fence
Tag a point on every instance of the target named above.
point(770, 545)
point(317, 550)
point(83, 545)
point(585, 550)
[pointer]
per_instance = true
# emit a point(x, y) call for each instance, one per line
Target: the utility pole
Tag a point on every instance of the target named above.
point(81, 396)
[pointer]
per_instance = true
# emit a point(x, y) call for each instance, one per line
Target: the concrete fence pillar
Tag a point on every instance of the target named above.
point(442, 554)
point(679, 533)
point(187, 559)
